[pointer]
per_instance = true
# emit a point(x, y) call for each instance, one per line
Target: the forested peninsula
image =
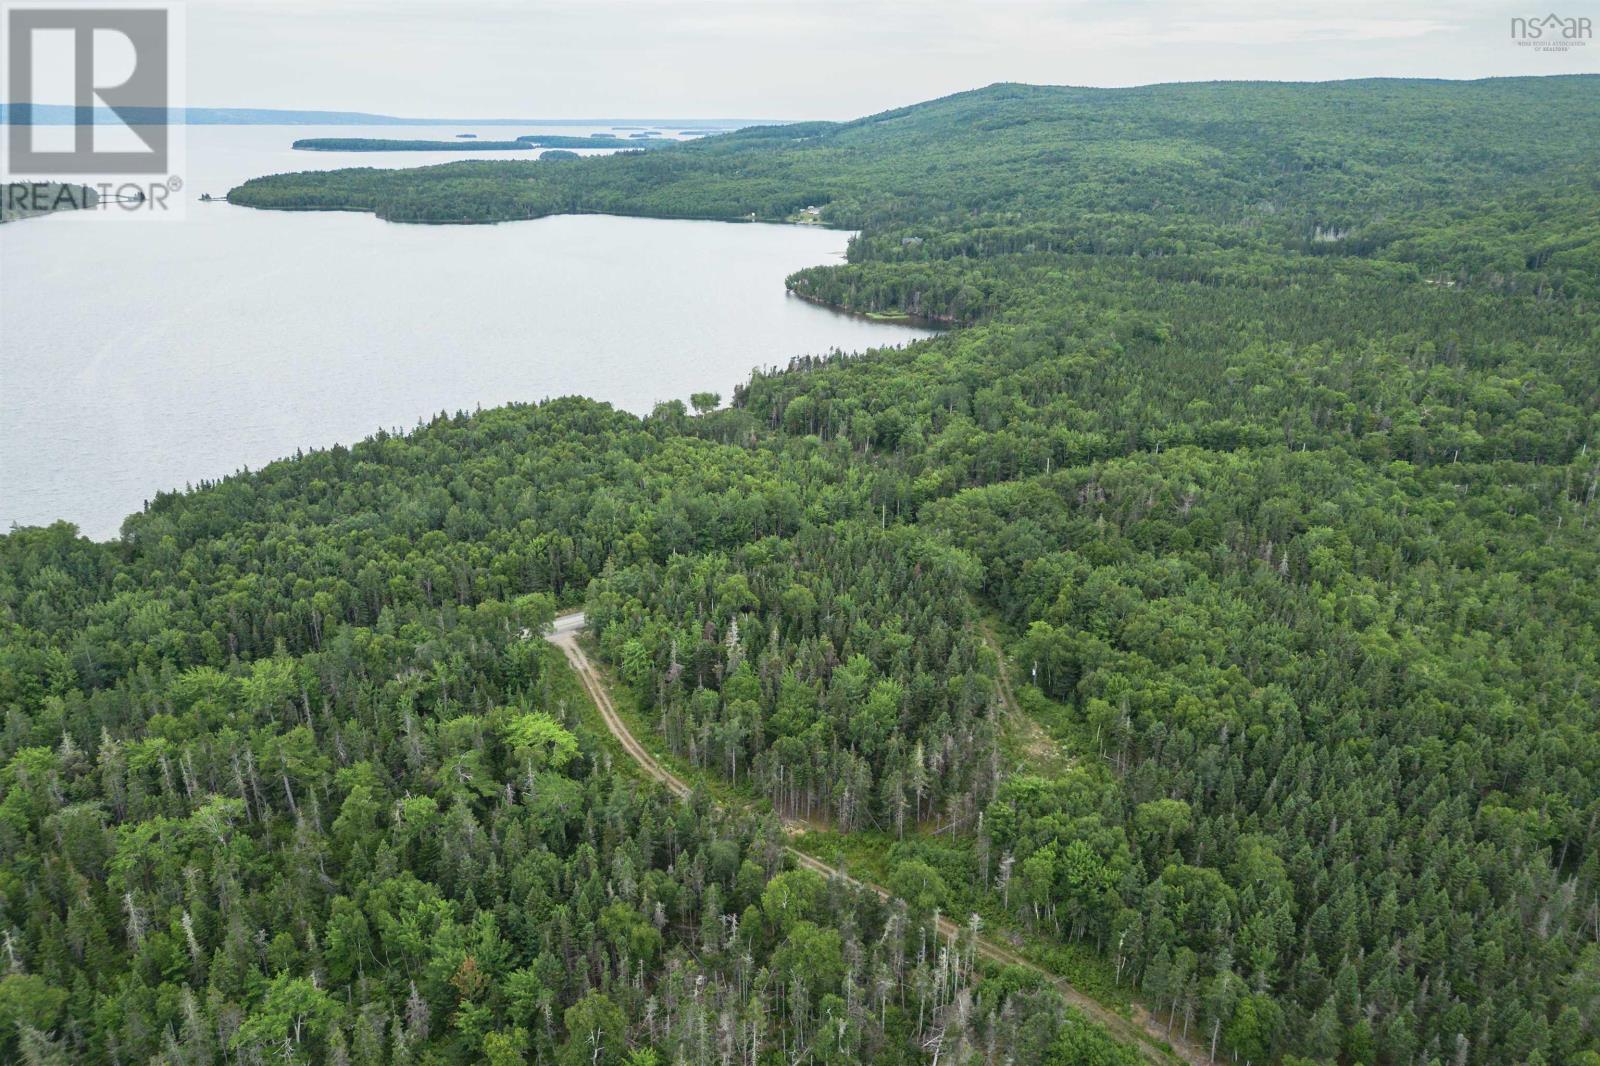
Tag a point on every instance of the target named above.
point(35, 199)
point(1212, 615)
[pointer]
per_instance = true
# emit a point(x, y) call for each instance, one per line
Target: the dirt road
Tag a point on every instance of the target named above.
point(1143, 1033)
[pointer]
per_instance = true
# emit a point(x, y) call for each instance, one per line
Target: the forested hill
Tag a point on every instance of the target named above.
point(1363, 167)
point(1268, 451)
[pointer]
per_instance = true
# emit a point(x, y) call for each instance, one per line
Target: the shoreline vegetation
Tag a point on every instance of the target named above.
point(36, 199)
point(897, 317)
point(1266, 450)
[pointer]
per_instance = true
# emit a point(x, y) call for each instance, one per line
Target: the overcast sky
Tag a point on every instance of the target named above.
point(817, 59)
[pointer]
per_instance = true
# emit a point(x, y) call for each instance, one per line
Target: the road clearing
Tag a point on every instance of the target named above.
point(1142, 1032)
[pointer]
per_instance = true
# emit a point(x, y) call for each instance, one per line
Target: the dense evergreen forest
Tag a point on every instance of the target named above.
point(1214, 613)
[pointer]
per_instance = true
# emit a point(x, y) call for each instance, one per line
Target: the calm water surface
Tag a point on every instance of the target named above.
point(141, 357)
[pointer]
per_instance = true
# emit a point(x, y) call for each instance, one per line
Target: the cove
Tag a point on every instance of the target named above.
point(137, 358)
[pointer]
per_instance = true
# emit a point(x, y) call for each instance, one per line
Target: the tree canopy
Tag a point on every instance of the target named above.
point(1265, 453)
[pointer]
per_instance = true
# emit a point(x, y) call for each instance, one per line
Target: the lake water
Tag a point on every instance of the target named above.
point(138, 357)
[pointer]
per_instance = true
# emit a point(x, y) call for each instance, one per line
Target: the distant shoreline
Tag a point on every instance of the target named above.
point(463, 143)
point(65, 115)
point(382, 144)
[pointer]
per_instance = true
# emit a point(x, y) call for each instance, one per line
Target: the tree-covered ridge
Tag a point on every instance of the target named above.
point(1267, 444)
point(1407, 169)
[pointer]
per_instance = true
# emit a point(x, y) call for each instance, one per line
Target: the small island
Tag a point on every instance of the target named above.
point(382, 144)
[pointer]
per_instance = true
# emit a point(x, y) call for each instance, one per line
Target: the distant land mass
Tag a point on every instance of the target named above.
point(63, 115)
point(537, 140)
point(594, 140)
point(384, 144)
